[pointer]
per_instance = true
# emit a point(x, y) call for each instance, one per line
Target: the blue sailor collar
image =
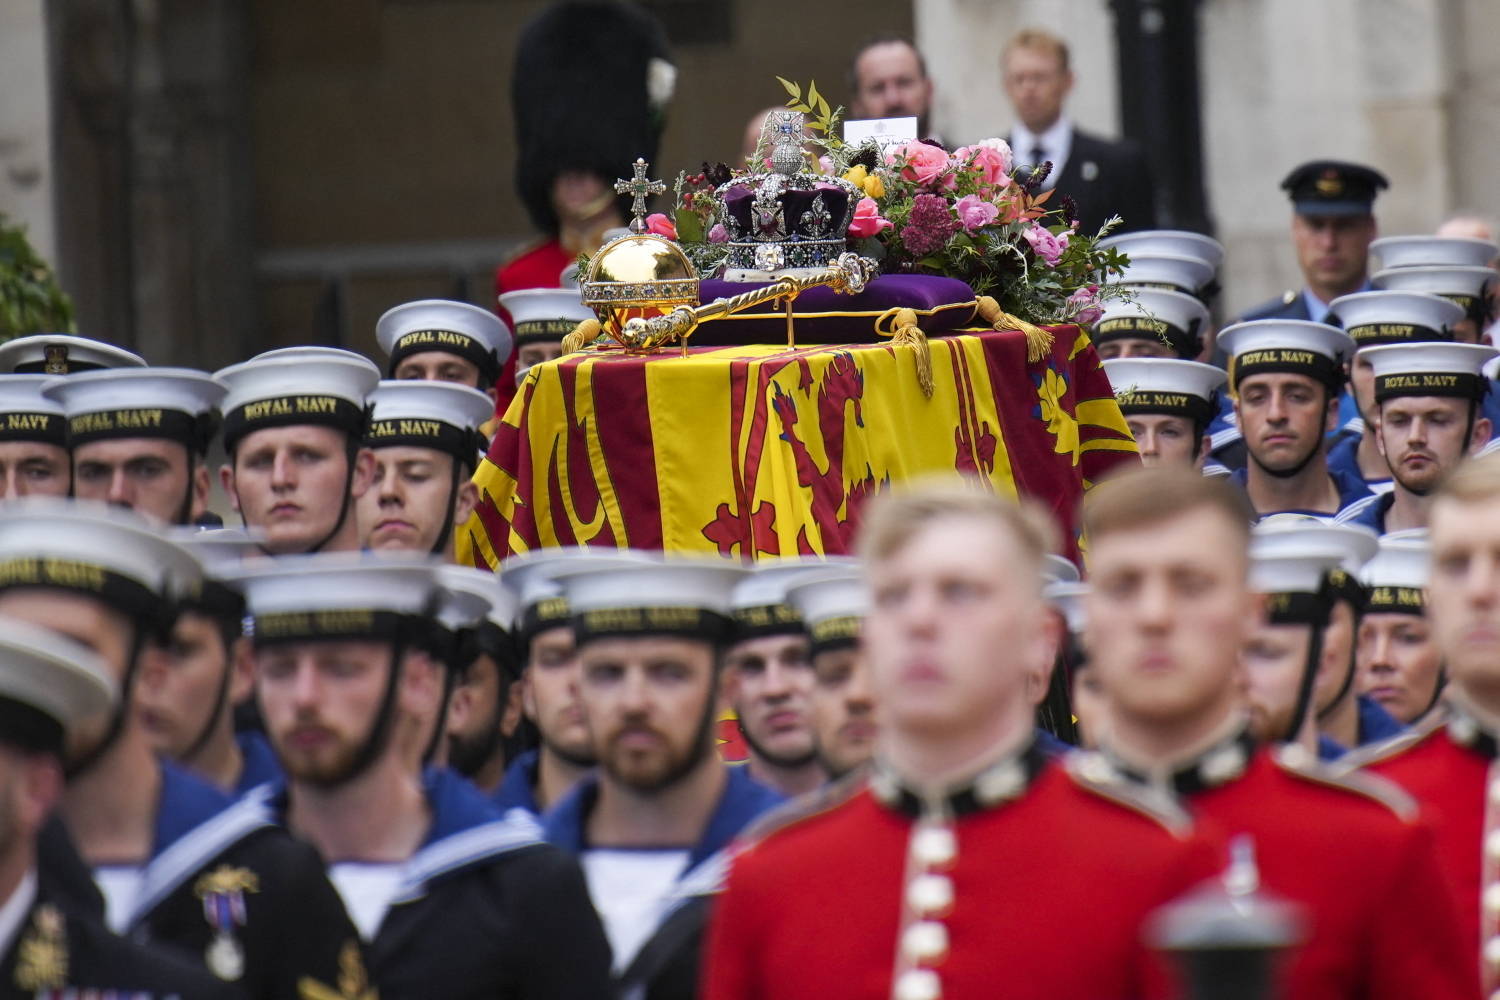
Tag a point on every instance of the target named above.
point(1369, 512)
point(517, 789)
point(195, 822)
point(742, 801)
point(260, 766)
point(1350, 488)
point(1375, 723)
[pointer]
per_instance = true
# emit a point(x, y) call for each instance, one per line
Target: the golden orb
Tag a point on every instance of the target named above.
point(638, 275)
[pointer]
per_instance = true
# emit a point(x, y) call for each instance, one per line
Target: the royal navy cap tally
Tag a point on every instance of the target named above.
point(1455, 370)
point(1397, 577)
point(63, 354)
point(1391, 317)
point(1465, 286)
point(1333, 187)
point(1068, 597)
point(1294, 581)
point(1439, 251)
point(48, 684)
point(474, 334)
point(443, 416)
point(296, 386)
point(833, 603)
point(639, 593)
point(1164, 385)
point(1178, 242)
point(532, 579)
point(1161, 314)
point(178, 404)
point(27, 415)
point(106, 552)
point(1170, 271)
point(544, 314)
point(1289, 346)
point(759, 600)
point(337, 595)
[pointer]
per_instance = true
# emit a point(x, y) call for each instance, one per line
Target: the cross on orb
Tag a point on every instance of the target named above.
point(639, 188)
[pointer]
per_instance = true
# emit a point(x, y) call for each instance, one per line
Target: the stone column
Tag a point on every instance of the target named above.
point(26, 182)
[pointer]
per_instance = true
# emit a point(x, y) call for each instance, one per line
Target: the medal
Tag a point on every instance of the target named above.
point(225, 957)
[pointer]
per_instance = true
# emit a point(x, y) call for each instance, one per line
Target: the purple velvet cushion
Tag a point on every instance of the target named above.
point(823, 316)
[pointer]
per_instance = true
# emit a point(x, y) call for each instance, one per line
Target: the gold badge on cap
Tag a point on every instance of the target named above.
point(1330, 184)
point(56, 360)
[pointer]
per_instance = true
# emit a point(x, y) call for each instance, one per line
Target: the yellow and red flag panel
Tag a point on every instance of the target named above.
point(757, 450)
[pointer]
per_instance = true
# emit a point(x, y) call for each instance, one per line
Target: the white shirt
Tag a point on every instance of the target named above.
point(120, 885)
point(1056, 142)
point(14, 911)
point(366, 890)
point(630, 891)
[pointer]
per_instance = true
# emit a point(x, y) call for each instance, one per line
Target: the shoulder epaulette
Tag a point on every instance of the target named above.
point(1387, 748)
point(804, 807)
point(1093, 772)
point(1295, 760)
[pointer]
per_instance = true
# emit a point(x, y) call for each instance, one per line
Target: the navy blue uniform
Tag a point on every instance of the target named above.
point(517, 790)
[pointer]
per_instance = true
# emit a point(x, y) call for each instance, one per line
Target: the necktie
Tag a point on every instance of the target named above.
point(1038, 155)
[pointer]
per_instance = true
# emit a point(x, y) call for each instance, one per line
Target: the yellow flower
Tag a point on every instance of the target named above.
point(874, 186)
point(856, 175)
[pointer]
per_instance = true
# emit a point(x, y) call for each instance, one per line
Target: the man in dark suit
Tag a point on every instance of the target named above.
point(1332, 227)
point(1103, 177)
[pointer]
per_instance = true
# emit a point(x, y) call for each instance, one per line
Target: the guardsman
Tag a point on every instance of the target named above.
point(440, 340)
point(426, 441)
point(33, 440)
point(180, 864)
point(1332, 228)
point(1400, 667)
point(1447, 760)
point(543, 317)
point(957, 640)
point(484, 712)
point(1428, 399)
point(652, 824)
point(451, 898)
point(1168, 406)
point(1168, 614)
point(1372, 319)
point(768, 680)
point(294, 422)
point(63, 354)
point(139, 438)
point(48, 686)
point(1285, 377)
point(833, 603)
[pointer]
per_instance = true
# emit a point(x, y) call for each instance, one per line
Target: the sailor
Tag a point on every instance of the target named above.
point(543, 317)
point(426, 441)
point(833, 603)
point(49, 686)
point(1168, 406)
point(451, 898)
point(63, 354)
point(652, 824)
point(1153, 323)
point(1399, 664)
point(139, 438)
point(1168, 613)
point(33, 440)
point(294, 420)
point(1455, 267)
point(444, 341)
point(1427, 398)
point(465, 596)
point(1285, 377)
point(180, 864)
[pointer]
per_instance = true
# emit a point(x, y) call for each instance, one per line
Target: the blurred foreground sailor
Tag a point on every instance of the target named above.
point(484, 712)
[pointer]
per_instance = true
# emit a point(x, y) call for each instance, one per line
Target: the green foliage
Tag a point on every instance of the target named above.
point(30, 300)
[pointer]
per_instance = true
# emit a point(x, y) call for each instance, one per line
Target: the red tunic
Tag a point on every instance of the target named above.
point(539, 267)
point(1050, 892)
point(1382, 921)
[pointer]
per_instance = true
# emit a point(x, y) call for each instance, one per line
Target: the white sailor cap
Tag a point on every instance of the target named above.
point(545, 314)
point(470, 596)
point(443, 416)
point(1068, 597)
point(1165, 385)
point(833, 604)
point(27, 415)
point(110, 553)
point(1291, 346)
point(1397, 577)
point(1058, 569)
point(759, 599)
point(1177, 242)
point(532, 578)
point(644, 593)
point(220, 551)
point(1464, 286)
point(1171, 271)
point(1293, 582)
point(178, 404)
point(337, 595)
point(1155, 314)
point(1441, 251)
point(48, 683)
point(474, 334)
point(296, 386)
point(1431, 369)
point(1391, 317)
point(1285, 534)
point(63, 354)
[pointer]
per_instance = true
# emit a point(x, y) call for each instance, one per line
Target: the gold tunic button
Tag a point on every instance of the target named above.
point(1495, 791)
point(1491, 899)
point(925, 942)
point(1492, 951)
point(934, 846)
point(930, 895)
point(918, 984)
point(1492, 845)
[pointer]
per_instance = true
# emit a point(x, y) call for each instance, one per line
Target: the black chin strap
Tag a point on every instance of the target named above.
point(380, 730)
point(1295, 469)
point(1348, 681)
point(441, 545)
point(185, 509)
point(118, 717)
point(221, 707)
point(1310, 671)
point(351, 451)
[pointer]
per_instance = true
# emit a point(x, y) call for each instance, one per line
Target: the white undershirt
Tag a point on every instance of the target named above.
point(630, 890)
point(121, 887)
point(366, 890)
point(14, 911)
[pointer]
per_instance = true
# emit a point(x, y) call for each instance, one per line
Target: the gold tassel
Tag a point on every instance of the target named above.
point(584, 334)
point(1038, 340)
point(904, 330)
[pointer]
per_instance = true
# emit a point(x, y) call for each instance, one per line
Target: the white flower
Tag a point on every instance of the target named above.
point(999, 145)
point(661, 81)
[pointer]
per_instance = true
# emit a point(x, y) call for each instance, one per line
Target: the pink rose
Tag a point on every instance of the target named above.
point(919, 162)
point(991, 164)
point(718, 234)
point(867, 220)
point(661, 225)
point(1084, 305)
point(974, 212)
point(1047, 246)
